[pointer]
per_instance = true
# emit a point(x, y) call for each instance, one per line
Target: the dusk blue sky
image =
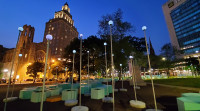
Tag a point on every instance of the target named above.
point(86, 14)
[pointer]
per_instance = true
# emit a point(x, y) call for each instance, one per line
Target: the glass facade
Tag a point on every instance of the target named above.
point(186, 22)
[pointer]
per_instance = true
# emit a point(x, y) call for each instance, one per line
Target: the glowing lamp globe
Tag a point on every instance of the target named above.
point(197, 51)
point(88, 51)
point(105, 43)
point(20, 29)
point(120, 64)
point(144, 28)
point(49, 37)
point(74, 51)
point(131, 57)
point(20, 55)
point(81, 35)
point(110, 22)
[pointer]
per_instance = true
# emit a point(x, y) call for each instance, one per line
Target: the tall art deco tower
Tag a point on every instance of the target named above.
point(61, 27)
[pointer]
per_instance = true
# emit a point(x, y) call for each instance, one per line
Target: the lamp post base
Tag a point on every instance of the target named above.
point(137, 87)
point(123, 90)
point(116, 90)
point(137, 104)
point(153, 110)
point(10, 99)
point(87, 94)
point(71, 102)
point(107, 100)
point(80, 108)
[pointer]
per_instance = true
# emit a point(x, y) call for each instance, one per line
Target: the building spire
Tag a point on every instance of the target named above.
point(66, 4)
point(152, 52)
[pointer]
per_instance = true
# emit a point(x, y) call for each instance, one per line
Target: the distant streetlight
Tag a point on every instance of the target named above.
point(5, 70)
point(56, 73)
point(144, 28)
point(20, 55)
point(121, 76)
point(9, 82)
point(164, 59)
point(80, 107)
point(131, 59)
point(198, 56)
point(105, 44)
point(48, 37)
point(74, 52)
point(112, 66)
point(81, 35)
point(88, 69)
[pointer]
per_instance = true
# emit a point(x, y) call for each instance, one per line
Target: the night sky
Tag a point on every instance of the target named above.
point(86, 14)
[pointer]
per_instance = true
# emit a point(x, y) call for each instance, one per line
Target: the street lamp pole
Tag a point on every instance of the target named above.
point(112, 72)
point(74, 52)
point(121, 76)
point(48, 37)
point(105, 44)
point(144, 29)
point(56, 74)
point(198, 56)
point(88, 69)
point(20, 55)
point(81, 35)
point(13, 59)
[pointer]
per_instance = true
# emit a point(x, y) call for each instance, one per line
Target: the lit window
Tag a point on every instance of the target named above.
point(52, 28)
point(56, 48)
point(60, 49)
point(65, 36)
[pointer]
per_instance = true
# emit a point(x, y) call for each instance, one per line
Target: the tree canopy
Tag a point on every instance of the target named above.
point(34, 69)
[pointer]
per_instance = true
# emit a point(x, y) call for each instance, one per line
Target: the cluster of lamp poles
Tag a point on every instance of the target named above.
point(49, 37)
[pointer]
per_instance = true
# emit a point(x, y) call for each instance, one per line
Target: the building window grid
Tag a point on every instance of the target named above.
point(188, 30)
point(191, 41)
point(175, 13)
point(177, 29)
point(184, 6)
point(187, 21)
point(186, 34)
point(185, 15)
point(192, 50)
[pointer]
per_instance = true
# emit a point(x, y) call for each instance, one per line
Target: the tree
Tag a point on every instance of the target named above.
point(57, 70)
point(192, 64)
point(120, 28)
point(33, 69)
point(167, 51)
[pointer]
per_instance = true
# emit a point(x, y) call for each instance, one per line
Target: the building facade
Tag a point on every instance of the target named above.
point(63, 31)
point(61, 27)
point(183, 22)
point(29, 53)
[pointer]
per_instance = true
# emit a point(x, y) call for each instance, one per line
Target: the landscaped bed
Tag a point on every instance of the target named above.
point(184, 82)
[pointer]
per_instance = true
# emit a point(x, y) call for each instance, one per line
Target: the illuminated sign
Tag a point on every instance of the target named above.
point(171, 4)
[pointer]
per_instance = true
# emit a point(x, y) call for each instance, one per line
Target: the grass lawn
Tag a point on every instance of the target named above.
point(185, 82)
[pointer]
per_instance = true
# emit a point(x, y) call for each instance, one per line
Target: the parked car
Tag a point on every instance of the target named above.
point(2, 81)
point(28, 81)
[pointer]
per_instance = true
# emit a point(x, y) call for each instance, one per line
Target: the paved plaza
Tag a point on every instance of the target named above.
point(165, 96)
